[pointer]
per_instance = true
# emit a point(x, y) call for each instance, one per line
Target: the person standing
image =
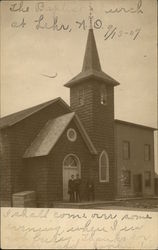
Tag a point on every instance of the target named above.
point(90, 189)
point(77, 188)
point(71, 188)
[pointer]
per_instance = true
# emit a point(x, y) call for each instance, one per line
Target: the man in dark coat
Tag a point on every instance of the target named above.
point(90, 189)
point(71, 188)
point(77, 188)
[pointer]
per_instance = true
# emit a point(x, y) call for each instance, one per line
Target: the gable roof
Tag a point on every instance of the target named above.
point(14, 118)
point(134, 124)
point(91, 65)
point(50, 134)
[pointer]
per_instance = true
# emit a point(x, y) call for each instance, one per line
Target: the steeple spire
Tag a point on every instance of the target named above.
point(91, 58)
point(91, 64)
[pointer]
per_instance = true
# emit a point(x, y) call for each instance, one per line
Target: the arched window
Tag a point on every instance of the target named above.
point(103, 167)
point(71, 161)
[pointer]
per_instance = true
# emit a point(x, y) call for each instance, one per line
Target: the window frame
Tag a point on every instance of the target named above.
point(81, 96)
point(76, 159)
point(129, 150)
point(147, 182)
point(149, 152)
point(72, 139)
point(104, 153)
point(103, 95)
point(129, 176)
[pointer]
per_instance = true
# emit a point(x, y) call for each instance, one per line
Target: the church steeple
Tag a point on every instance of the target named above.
point(91, 65)
point(91, 58)
point(92, 99)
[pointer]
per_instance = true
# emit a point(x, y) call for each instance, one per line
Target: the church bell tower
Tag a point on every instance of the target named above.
point(92, 98)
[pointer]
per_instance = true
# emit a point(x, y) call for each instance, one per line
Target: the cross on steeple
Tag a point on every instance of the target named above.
point(90, 17)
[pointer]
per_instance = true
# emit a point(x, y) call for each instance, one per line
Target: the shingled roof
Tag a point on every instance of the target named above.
point(50, 134)
point(91, 65)
point(12, 119)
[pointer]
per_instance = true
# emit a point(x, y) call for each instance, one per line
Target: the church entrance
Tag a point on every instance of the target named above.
point(71, 166)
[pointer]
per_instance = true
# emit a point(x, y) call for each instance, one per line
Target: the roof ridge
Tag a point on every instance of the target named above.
point(134, 124)
point(12, 119)
point(25, 109)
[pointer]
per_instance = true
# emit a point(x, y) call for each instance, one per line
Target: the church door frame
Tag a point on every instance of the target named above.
point(67, 172)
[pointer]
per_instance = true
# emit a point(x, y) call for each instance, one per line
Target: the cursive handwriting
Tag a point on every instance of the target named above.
point(27, 213)
point(111, 31)
point(70, 215)
point(136, 217)
point(19, 7)
point(104, 216)
point(18, 25)
point(42, 24)
point(137, 9)
point(68, 229)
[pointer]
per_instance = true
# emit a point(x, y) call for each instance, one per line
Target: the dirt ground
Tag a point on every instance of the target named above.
point(136, 204)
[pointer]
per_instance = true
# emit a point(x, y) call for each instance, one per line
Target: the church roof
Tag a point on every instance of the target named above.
point(14, 118)
point(91, 65)
point(134, 124)
point(50, 134)
point(100, 75)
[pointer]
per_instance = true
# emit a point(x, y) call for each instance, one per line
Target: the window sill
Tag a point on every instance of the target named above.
point(104, 181)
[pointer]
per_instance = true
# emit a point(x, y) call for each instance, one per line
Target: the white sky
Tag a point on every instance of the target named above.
point(27, 53)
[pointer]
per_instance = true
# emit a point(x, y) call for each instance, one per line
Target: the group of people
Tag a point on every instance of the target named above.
point(74, 189)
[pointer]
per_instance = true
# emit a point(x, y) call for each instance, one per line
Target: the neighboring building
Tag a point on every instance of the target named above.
point(135, 159)
point(156, 184)
point(42, 146)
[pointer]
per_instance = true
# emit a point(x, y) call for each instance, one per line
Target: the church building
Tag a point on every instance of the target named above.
point(41, 147)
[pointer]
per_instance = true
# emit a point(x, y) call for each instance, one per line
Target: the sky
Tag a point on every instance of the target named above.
point(126, 37)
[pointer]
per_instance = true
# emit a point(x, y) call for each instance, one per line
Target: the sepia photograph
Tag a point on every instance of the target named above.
point(78, 126)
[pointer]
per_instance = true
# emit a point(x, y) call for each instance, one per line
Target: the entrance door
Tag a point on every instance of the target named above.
point(71, 166)
point(137, 184)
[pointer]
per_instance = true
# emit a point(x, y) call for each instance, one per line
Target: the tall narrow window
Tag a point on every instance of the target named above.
point(147, 152)
point(126, 176)
point(81, 96)
point(103, 167)
point(103, 95)
point(147, 179)
point(126, 150)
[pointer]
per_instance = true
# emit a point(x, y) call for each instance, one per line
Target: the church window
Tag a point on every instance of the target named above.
point(103, 167)
point(71, 134)
point(103, 95)
point(147, 179)
point(126, 175)
point(71, 161)
point(147, 152)
point(126, 150)
point(81, 96)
